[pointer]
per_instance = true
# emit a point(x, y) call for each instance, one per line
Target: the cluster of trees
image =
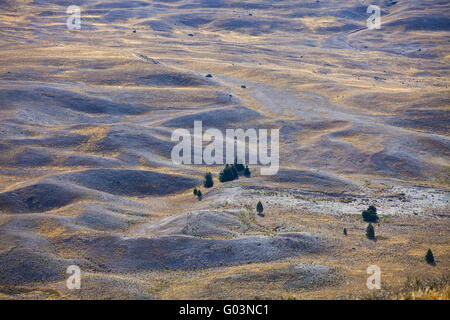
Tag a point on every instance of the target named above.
point(231, 172)
point(369, 215)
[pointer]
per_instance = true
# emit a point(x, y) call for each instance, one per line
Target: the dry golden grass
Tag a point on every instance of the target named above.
point(49, 229)
point(365, 142)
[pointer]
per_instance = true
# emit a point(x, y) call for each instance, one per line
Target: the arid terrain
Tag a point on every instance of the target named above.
point(86, 176)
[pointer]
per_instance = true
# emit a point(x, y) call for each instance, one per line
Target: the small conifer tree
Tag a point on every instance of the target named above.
point(208, 183)
point(247, 172)
point(259, 208)
point(429, 257)
point(370, 232)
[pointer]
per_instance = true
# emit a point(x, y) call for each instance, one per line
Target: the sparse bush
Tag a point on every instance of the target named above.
point(429, 258)
point(208, 183)
point(259, 208)
point(370, 215)
point(199, 195)
point(415, 288)
point(345, 231)
point(195, 191)
point(370, 232)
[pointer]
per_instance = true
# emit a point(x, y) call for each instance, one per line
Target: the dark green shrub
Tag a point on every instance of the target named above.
point(225, 175)
point(370, 215)
point(234, 172)
point(372, 209)
point(238, 165)
point(370, 232)
point(229, 173)
point(259, 208)
point(208, 183)
point(429, 258)
point(247, 172)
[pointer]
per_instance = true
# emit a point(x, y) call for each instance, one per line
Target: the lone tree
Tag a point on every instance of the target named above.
point(370, 232)
point(247, 172)
point(259, 208)
point(429, 257)
point(370, 215)
point(195, 191)
point(208, 183)
point(345, 231)
point(199, 195)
